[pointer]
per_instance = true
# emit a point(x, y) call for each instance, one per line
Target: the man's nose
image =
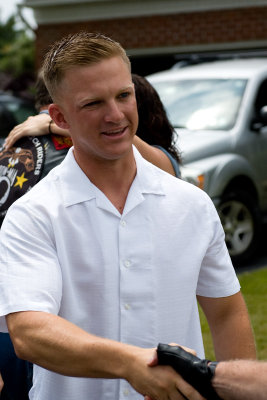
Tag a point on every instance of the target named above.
point(113, 112)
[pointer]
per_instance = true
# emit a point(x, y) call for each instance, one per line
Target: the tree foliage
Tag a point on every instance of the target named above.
point(16, 49)
point(17, 59)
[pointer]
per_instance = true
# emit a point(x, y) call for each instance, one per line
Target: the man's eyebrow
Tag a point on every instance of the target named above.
point(131, 86)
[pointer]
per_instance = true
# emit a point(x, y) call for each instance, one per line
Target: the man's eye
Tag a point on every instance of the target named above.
point(92, 104)
point(124, 95)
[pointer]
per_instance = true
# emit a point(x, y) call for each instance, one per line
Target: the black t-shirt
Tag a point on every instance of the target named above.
point(23, 165)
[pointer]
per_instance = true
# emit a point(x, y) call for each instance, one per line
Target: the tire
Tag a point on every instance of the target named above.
point(240, 219)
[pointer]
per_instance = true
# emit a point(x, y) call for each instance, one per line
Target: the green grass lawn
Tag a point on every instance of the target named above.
point(254, 289)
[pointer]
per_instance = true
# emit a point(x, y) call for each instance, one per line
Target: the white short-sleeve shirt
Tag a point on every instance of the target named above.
point(65, 249)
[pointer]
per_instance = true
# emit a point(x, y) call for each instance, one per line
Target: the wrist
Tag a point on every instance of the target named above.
point(50, 127)
point(212, 367)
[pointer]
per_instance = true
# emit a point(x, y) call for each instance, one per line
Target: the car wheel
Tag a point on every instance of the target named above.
point(240, 219)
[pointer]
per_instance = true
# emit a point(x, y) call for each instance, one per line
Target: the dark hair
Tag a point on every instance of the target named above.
point(154, 126)
point(42, 97)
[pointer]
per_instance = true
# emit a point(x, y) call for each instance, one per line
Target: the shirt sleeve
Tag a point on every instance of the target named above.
point(30, 274)
point(217, 277)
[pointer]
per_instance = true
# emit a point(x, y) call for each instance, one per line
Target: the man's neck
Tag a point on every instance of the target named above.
point(113, 177)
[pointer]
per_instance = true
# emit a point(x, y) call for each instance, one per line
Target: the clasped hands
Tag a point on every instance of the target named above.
point(195, 371)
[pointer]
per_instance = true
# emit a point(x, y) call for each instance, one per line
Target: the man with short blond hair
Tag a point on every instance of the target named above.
point(108, 254)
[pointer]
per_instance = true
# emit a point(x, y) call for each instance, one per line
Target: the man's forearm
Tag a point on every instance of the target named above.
point(62, 347)
point(241, 380)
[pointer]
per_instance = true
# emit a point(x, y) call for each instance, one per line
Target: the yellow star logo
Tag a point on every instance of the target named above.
point(20, 180)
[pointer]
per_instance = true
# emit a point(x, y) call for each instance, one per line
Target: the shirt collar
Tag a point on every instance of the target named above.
point(77, 188)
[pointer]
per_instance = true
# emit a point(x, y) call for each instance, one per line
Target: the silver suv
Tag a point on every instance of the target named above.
point(220, 111)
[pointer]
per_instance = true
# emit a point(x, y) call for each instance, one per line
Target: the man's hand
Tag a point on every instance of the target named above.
point(158, 382)
point(175, 387)
point(195, 371)
point(33, 126)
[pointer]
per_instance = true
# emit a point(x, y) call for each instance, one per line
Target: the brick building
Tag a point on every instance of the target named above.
point(155, 32)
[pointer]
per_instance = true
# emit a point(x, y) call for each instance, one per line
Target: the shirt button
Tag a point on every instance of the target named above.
point(127, 263)
point(126, 392)
point(127, 306)
point(123, 223)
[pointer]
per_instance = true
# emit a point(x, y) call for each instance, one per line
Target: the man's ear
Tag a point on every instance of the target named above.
point(57, 116)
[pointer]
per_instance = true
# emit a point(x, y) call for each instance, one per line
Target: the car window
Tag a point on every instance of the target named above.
point(210, 104)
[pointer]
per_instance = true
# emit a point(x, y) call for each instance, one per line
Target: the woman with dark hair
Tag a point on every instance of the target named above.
point(155, 136)
point(154, 126)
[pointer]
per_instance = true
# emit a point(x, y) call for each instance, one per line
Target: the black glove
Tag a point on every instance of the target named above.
point(193, 370)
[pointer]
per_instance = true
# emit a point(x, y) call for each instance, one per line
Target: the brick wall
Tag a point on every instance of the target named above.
point(200, 28)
